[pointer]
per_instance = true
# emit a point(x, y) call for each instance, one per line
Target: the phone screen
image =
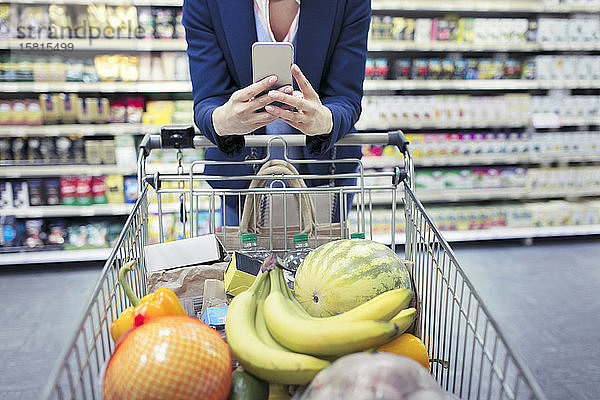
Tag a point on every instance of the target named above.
point(272, 58)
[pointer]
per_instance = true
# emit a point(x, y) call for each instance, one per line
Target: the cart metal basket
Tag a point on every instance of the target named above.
point(471, 356)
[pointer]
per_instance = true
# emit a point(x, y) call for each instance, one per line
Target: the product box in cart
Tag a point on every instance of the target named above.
point(184, 266)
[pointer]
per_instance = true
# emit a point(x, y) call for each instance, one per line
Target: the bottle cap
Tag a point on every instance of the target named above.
point(248, 237)
point(357, 235)
point(300, 238)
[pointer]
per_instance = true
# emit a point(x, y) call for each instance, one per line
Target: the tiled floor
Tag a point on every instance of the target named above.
point(545, 297)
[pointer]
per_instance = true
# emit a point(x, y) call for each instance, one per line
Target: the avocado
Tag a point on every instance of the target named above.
point(247, 387)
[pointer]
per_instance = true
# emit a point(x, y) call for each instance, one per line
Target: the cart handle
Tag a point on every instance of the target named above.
point(184, 137)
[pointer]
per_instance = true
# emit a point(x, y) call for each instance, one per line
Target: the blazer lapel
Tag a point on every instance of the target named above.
point(313, 37)
point(239, 28)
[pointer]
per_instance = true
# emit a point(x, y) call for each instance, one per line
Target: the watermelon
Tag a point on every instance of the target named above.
point(343, 274)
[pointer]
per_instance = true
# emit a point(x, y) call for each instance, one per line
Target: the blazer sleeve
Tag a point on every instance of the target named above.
point(342, 88)
point(211, 82)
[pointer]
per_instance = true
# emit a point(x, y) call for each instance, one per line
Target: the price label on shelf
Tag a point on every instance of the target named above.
point(545, 120)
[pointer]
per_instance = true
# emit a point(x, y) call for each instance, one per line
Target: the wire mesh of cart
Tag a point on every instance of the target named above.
point(470, 356)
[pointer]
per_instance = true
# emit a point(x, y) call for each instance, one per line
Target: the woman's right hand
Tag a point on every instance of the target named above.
point(239, 115)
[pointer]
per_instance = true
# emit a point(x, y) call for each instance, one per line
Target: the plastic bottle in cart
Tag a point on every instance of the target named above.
point(251, 247)
point(294, 257)
point(357, 235)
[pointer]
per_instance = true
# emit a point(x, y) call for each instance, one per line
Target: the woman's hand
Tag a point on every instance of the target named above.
point(239, 116)
point(312, 117)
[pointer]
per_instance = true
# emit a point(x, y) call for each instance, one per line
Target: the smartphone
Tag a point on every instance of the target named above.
point(272, 58)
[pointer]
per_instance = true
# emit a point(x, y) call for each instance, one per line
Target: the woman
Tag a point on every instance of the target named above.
point(330, 42)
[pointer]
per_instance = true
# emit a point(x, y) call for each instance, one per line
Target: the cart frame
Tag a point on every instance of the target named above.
point(470, 355)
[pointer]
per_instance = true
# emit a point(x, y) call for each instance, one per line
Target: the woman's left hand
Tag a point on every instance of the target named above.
point(312, 117)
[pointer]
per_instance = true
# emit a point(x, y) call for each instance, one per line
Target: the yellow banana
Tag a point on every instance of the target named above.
point(268, 363)
point(380, 308)
point(259, 319)
point(319, 337)
point(404, 319)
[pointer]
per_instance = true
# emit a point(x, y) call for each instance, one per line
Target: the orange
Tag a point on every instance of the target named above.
point(169, 358)
point(409, 346)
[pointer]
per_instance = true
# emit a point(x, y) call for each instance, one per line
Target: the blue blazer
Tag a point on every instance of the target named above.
point(330, 51)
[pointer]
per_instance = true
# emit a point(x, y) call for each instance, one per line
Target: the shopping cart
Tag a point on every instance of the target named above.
point(470, 355)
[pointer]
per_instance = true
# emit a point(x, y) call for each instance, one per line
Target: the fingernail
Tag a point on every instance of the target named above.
point(288, 90)
point(269, 108)
point(274, 94)
point(295, 68)
point(273, 79)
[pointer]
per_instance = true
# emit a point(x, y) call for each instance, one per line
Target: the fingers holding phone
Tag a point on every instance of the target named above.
point(309, 116)
point(239, 116)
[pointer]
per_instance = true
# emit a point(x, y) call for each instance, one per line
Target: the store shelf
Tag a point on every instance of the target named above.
point(97, 44)
point(395, 45)
point(513, 193)
point(69, 211)
point(59, 170)
point(516, 6)
point(157, 3)
point(102, 87)
point(78, 129)
point(504, 233)
point(483, 84)
point(56, 256)
point(478, 159)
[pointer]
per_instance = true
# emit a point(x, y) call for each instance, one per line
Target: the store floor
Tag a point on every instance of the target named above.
point(543, 296)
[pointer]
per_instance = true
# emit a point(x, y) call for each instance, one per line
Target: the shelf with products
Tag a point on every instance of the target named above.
point(58, 170)
point(444, 46)
point(98, 87)
point(53, 256)
point(483, 84)
point(485, 6)
point(555, 110)
point(150, 3)
point(94, 44)
point(498, 220)
point(113, 129)
point(69, 211)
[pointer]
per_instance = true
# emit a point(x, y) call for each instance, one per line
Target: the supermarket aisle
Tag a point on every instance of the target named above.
point(545, 298)
point(39, 310)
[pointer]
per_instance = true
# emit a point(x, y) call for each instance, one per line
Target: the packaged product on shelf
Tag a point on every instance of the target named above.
point(163, 23)
point(18, 112)
point(124, 151)
point(9, 231)
point(57, 233)
point(69, 103)
point(179, 28)
point(5, 112)
point(93, 151)
point(135, 109)
point(20, 194)
point(51, 190)
point(168, 65)
point(74, 70)
point(34, 233)
point(50, 112)
point(37, 20)
point(402, 69)
point(130, 189)
point(108, 155)
point(108, 67)
point(33, 113)
point(118, 111)
point(129, 68)
point(146, 22)
point(423, 30)
point(90, 75)
point(158, 112)
point(33, 149)
point(60, 20)
point(6, 194)
point(102, 110)
point(114, 189)
point(5, 17)
point(84, 191)
point(99, 190)
point(77, 149)
point(19, 149)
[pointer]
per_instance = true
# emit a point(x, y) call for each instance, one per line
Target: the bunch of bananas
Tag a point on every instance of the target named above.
point(275, 339)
